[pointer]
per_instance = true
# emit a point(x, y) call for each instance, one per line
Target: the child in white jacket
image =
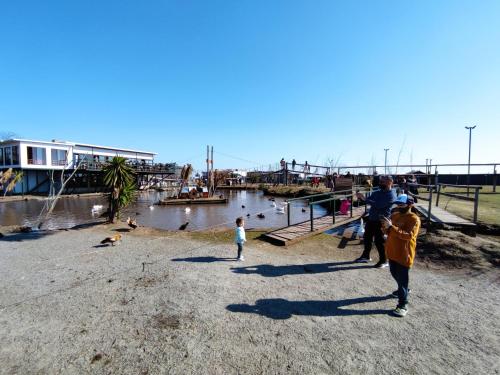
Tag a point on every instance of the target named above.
point(240, 237)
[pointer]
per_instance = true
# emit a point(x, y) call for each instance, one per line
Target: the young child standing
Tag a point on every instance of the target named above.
point(402, 231)
point(240, 237)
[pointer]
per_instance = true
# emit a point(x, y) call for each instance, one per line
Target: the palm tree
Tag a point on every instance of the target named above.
point(119, 178)
point(13, 182)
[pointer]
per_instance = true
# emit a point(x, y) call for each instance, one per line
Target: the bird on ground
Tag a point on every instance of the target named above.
point(184, 226)
point(187, 210)
point(261, 216)
point(132, 223)
point(112, 240)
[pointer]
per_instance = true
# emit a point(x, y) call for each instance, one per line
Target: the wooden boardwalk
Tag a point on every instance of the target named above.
point(441, 216)
point(296, 232)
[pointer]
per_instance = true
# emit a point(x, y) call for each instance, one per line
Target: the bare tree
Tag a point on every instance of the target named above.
point(4, 135)
point(54, 195)
point(400, 152)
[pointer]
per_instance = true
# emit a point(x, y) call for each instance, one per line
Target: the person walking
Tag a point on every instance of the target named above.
point(240, 237)
point(402, 231)
point(294, 163)
point(380, 207)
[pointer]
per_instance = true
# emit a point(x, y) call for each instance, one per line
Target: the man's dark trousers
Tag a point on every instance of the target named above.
point(373, 230)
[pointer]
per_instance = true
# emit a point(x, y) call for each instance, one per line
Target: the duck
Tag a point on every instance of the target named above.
point(280, 210)
point(261, 216)
point(132, 223)
point(242, 206)
point(184, 226)
point(187, 210)
point(303, 210)
point(248, 215)
point(116, 239)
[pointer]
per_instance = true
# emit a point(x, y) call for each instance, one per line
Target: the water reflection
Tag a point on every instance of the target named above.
point(73, 211)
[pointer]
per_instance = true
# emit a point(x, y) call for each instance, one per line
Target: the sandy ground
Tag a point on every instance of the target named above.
point(165, 303)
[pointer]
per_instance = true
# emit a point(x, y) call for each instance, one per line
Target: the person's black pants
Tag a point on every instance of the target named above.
point(240, 249)
point(400, 273)
point(373, 231)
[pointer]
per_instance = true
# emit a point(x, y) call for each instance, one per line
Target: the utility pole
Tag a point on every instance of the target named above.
point(208, 169)
point(385, 163)
point(468, 165)
point(212, 181)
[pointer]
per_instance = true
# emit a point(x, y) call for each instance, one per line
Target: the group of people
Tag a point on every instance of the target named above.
point(394, 232)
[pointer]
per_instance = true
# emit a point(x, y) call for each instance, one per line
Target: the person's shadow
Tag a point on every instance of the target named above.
point(203, 259)
point(269, 270)
point(279, 308)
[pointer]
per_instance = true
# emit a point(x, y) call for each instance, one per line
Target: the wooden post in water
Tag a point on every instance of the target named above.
point(288, 212)
point(311, 212)
point(476, 204)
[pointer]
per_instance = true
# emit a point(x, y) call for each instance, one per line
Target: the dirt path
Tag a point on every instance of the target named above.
point(70, 307)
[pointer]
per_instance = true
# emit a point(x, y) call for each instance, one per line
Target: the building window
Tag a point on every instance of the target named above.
point(15, 155)
point(58, 157)
point(37, 156)
point(1, 156)
point(8, 155)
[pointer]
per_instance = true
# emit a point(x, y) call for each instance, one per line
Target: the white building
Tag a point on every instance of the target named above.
point(36, 158)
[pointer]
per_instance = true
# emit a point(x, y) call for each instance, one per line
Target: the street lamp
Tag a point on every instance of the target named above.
point(385, 163)
point(468, 165)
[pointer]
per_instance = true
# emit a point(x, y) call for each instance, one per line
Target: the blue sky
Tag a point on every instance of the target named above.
point(259, 80)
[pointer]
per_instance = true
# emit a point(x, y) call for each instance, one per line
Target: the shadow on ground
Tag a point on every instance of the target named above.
point(203, 259)
point(269, 270)
point(279, 308)
point(19, 237)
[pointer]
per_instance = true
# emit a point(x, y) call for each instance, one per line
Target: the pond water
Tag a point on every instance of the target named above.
point(73, 211)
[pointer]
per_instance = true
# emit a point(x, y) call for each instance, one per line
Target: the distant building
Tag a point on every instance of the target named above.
point(36, 158)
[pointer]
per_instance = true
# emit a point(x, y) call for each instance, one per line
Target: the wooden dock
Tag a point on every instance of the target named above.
point(174, 201)
point(441, 216)
point(297, 232)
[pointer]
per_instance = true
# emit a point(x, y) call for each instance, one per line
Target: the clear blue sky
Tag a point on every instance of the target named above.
point(259, 80)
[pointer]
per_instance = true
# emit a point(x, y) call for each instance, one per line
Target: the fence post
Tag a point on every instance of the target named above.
point(476, 204)
point(333, 211)
point(311, 210)
point(494, 178)
point(288, 212)
point(438, 193)
point(429, 210)
point(286, 174)
point(352, 202)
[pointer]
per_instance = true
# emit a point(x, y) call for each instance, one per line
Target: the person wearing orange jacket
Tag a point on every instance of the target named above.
point(400, 247)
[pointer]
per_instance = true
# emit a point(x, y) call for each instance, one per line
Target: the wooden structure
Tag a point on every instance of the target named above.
point(441, 216)
point(297, 232)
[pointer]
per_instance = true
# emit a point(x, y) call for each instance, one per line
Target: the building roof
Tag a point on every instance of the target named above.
point(66, 143)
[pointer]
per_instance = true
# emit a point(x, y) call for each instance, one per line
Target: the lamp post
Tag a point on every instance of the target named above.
point(468, 164)
point(385, 163)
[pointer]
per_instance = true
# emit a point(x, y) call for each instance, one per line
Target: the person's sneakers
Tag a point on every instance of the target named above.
point(400, 311)
point(381, 265)
point(363, 260)
point(241, 259)
point(396, 295)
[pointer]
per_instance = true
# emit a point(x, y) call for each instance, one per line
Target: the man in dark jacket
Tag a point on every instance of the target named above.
point(380, 202)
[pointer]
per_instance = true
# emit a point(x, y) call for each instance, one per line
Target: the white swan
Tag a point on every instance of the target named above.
point(187, 209)
point(280, 209)
point(273, 204)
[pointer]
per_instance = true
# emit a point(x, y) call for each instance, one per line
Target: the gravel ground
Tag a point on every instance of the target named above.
point(165, 303)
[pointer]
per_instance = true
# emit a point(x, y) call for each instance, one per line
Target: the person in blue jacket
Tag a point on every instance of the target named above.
point(380, 203)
